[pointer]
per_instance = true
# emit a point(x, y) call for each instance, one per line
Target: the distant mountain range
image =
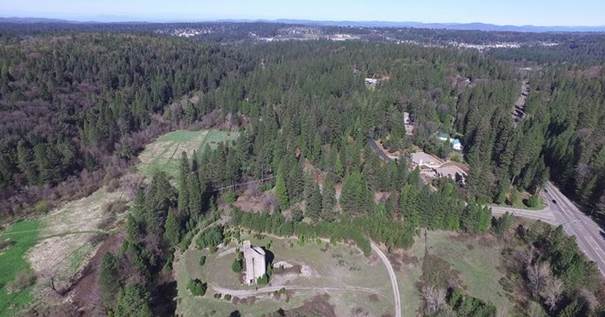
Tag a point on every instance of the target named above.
point(372, 24)
point(451, 26)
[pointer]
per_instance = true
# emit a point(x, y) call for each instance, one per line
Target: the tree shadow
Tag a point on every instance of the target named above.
point(269, 256)
point(163, 299)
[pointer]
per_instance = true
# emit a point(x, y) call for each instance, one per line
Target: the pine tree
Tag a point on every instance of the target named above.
point(281, 191)
point(183, 187)
point(133, 300)
point(313, 204)
point(172, 230)
point(296, 182)
point(24, 161)
point(195, 195)
point(109, 282)
point(355, 195)
point(328, 202)
point(338, 166)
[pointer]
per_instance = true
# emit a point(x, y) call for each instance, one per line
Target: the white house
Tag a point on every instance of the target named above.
point(455, 142)
point(256, 265)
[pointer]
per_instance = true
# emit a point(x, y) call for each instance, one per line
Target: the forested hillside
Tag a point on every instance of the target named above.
point(76, 107)
point(71, 103)
point(68, 103)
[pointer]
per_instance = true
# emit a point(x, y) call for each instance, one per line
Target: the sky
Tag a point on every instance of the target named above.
point(513, 12)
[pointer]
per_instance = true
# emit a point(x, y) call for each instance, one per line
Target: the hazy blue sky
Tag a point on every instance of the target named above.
point(536, 12)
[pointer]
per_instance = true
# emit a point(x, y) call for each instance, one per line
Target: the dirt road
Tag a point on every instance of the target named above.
point(271, 289)
point(392, 276)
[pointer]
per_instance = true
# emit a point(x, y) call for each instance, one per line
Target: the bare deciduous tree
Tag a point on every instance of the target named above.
point(434, 299)
point(552, 291)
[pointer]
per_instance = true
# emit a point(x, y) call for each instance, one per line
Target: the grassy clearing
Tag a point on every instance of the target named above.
point(476, 259)
point(23, 235)
point(165, 152)
point(342, 269)
point(70, 237)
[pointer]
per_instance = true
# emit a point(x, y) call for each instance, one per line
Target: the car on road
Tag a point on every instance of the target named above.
point(554, 201)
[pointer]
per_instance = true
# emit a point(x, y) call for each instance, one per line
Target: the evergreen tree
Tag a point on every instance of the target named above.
point(328, 202)
point(133, 301)
point(313, 204)
point(109, 282)
point(183, 186)
point(195, 195)
point(355, 196)
point(172, 230)
point(281, 191)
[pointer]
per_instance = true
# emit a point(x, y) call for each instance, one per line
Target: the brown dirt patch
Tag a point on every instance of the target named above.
point(85, 292)
point(256, 203)
point(373, 298)
point(359, 312)
point(319, 305)
point(295, 269)
point(408, 259)
point(395, 262)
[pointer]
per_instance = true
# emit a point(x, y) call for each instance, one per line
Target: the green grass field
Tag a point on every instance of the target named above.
point(164, 153)
point(476, 259)
point(12, 260)
point(342, 272)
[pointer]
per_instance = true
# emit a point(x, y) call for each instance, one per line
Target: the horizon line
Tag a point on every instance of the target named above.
point(108, 19)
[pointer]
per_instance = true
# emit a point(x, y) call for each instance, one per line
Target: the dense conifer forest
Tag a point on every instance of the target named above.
point(77, 106)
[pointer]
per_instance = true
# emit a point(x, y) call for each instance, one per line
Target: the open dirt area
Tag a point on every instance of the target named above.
point(305, 274)
point(69, 238)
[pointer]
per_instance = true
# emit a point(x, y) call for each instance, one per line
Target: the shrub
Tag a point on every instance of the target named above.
point(533, 201)
point(42, 207)
point(5, 244)
point(237, 266)
point(23, 280)
point(263, 280)
point(202, 260)
point(229, 197)
point(210, 238)
point(227, 297)
point(197, 287)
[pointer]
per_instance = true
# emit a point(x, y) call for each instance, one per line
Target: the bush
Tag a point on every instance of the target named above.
point(42, 207)
point(229, 197)
point(210, 238)
point(202, 260)
point(237, 266)
point(533, 201)
point(23, 280)
point(5, 244)
point(197, 287)
point(263, 280)
point(227, 297)
point(515, 197)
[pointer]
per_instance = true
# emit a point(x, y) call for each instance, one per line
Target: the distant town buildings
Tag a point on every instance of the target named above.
point(256, 265)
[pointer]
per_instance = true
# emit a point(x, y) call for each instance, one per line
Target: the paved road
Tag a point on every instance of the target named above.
point(589, 236)
point(392, 276)
point(545, 215)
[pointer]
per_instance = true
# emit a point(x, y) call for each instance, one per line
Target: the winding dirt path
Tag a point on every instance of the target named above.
point(392, 276)
point(271, 289)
